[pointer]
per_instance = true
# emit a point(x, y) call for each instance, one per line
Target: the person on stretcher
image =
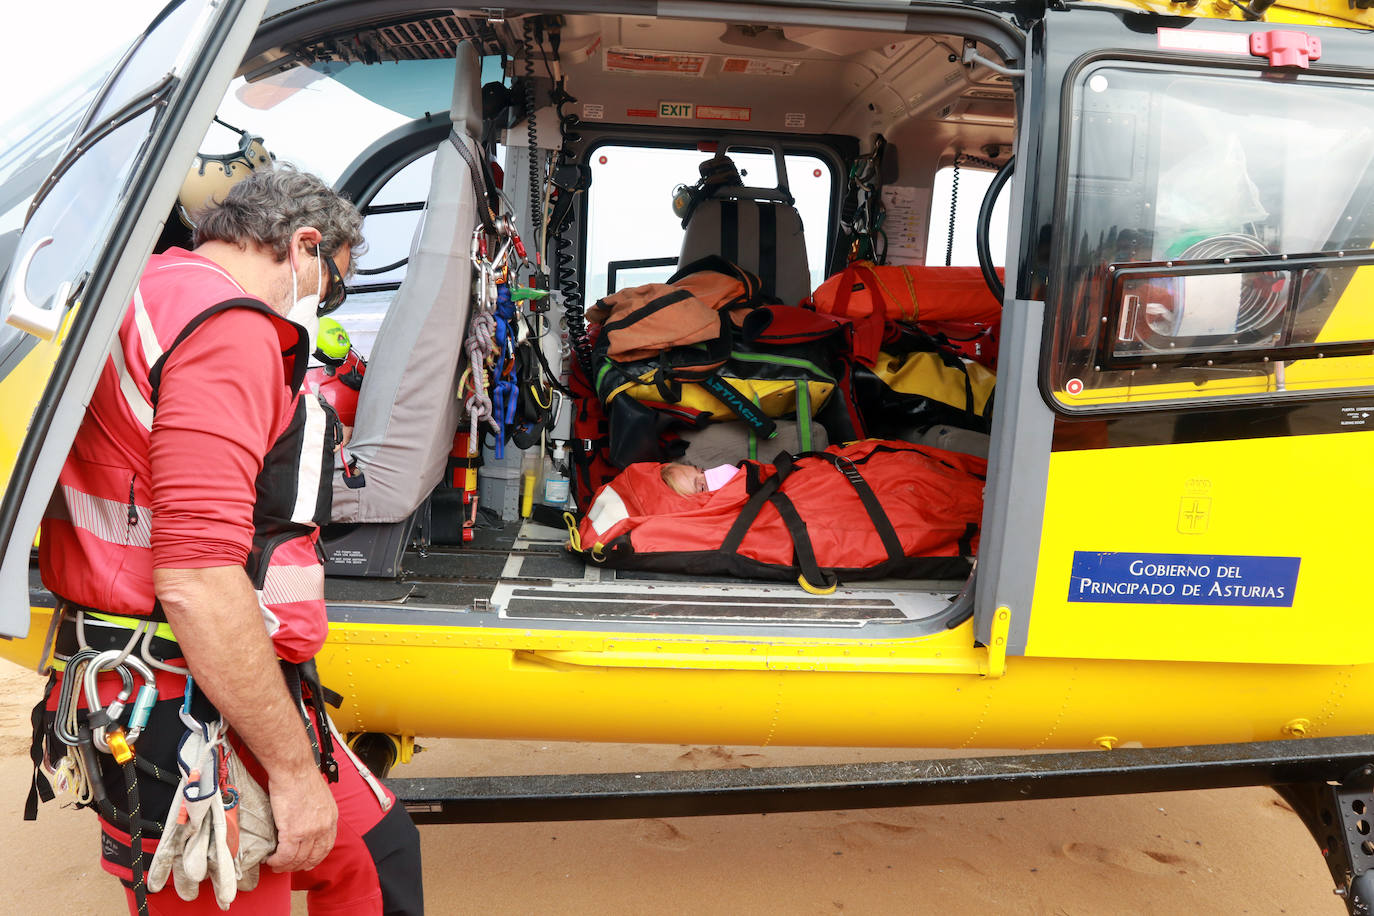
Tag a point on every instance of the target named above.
point(866, 509)
point(686, 479)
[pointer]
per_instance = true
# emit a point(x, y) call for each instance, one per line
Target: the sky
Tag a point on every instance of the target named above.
point(80, 33)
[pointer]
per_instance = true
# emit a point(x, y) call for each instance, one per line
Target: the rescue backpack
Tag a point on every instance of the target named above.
point(919, 382)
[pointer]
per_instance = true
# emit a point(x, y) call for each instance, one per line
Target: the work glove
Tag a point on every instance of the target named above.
point(218, 828)
point(252, 833)
point(183, 851)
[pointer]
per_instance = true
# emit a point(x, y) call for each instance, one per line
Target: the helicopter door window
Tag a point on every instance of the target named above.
point(953, 235)
point(390, 221)
point(73, 211)
point(630, 213)
point(1217, 241)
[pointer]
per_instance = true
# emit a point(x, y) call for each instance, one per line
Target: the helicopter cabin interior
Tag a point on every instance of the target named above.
point(844, 132)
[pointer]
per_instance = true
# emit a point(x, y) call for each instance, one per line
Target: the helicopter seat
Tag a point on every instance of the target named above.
point(407, 414)
point(756, 228)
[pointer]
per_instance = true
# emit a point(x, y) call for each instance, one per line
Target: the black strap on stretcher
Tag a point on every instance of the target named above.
point(769, 491)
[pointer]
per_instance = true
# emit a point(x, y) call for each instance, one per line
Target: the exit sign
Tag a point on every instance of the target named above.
point(681, 110)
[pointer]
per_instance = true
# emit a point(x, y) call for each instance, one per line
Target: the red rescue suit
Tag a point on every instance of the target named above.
point(339, 385)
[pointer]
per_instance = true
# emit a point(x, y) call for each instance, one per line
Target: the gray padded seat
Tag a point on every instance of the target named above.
point(756, 228)
point(407, 408)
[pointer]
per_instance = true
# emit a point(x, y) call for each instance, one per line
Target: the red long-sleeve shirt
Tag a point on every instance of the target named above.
point(223, 401)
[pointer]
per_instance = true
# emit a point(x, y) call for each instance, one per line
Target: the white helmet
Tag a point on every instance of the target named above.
point(212, 175)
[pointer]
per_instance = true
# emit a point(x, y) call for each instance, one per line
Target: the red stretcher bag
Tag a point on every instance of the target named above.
point(908, 293)
point(870, 509)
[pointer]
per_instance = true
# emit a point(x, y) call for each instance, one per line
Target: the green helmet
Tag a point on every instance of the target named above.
point(332, 343)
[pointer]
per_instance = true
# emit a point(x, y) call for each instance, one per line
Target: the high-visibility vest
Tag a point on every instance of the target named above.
point(96, 549)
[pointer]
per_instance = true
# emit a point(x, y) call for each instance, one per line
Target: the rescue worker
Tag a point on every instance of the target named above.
point(184, 531)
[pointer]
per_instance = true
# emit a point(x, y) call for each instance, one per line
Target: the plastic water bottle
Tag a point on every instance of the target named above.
point(555, 479)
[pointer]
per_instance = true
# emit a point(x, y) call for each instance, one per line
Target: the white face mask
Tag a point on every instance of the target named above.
point(305, 311)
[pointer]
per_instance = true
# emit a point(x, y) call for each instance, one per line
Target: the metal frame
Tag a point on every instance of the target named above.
point(694, 793)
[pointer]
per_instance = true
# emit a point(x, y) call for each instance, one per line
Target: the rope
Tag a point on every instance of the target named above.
point(140, 880)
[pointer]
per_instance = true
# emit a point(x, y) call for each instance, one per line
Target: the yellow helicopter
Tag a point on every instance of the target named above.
point(1173, 204)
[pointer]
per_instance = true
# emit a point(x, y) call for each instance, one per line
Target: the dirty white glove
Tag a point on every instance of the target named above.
point(182, 851)
point(251, 820)
point(203, 839)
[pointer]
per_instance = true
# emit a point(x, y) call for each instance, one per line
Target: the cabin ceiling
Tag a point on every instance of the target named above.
point(782, 79)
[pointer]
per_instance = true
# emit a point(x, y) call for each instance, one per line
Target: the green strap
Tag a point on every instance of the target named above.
point(804, 415)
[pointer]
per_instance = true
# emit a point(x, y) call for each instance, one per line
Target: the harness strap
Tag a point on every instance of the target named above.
point(39, 789)
point(819, 580)
point(729, 230)
point(479, 182)
point(760, 494)
point(768, 246)
point(321, 741)
point(743, 406)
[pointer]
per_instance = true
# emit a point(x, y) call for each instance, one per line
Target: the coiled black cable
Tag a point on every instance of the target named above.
point(536, 188)
point(569, 178)
point(959, 159)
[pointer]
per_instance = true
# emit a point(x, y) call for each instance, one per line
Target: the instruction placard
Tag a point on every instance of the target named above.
point(673, 63)
point(905, 223)
point(759, 66)
point(723, 113)
point(1183, 578)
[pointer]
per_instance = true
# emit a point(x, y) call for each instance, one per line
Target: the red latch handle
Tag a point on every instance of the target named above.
point(1286, 49)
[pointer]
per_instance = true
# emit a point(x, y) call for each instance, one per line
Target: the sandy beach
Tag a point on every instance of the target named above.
point(1224, 852)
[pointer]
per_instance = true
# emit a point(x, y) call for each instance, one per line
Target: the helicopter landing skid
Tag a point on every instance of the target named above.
point(1340, 817)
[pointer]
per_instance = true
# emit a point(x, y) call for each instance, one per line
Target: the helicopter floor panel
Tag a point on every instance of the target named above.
point(522, 571)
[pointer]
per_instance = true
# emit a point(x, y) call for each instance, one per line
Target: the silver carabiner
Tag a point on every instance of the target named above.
point(111, 660)
point(71, 678)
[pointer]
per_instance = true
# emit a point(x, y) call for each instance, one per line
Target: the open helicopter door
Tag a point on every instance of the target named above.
point(88, 234)
point(1205, 270)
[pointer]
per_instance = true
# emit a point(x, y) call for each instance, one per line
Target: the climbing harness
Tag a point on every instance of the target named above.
point(102, 732)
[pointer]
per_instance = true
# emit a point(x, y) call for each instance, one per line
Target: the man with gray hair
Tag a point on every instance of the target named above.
point(184, 531)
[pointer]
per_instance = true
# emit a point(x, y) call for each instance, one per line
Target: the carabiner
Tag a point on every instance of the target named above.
point(71, 678)
point(101, 717)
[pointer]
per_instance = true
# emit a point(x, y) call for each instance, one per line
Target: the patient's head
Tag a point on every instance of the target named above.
point(683, 479)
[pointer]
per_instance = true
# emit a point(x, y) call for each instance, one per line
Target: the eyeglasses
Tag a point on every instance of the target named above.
point(337, 291)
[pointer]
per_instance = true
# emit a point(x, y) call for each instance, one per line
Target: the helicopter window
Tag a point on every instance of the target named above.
point(965, 200)
point(71, 215)
point(630, 214)
point(1217, 236)
point(390, 220)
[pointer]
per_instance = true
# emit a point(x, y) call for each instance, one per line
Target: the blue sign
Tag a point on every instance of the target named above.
point(1183, 578)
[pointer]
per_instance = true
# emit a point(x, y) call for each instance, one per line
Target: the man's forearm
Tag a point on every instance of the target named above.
point(219, 626)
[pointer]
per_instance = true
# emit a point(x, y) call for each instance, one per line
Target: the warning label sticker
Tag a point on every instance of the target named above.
point(1237, 43)
point(1183, 578)
point(722, 113)
point(641, 112)
point(628, 60)
point(794, 119)
point(759, 66)
point(593, 112)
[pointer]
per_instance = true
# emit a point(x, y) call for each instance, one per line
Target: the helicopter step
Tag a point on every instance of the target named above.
point(1328, 781)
